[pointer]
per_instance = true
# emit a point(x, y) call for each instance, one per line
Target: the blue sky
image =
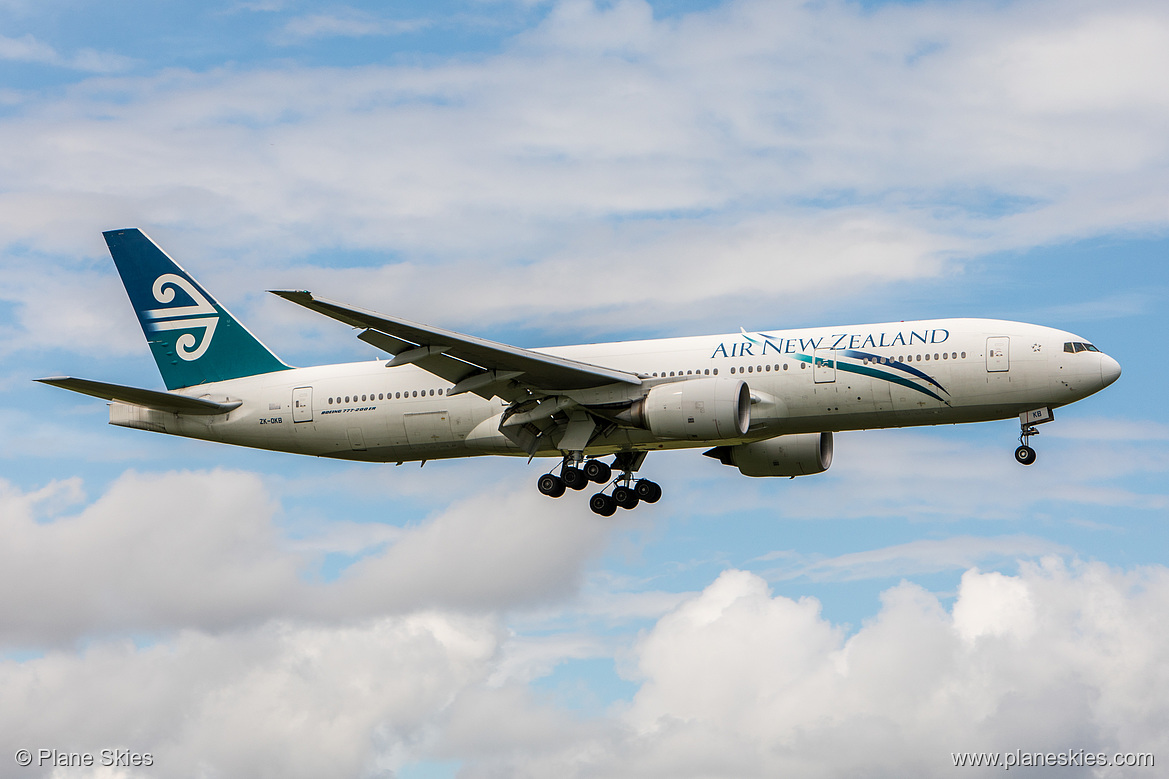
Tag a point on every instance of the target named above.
point(554, 172)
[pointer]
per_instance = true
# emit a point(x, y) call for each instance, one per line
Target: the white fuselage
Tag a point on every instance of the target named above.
point(810, 380)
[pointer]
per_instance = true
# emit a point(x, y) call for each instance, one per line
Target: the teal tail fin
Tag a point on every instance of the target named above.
point(194, 339)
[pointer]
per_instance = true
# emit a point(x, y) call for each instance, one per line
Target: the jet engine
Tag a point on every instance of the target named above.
point(694, 410)
point(786, 455)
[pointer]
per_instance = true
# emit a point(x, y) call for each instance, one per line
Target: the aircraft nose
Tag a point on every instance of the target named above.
point(1109, 369)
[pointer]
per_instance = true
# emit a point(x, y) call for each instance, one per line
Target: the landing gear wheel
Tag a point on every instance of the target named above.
point(625, 497)
point(603, 504)
point(1025, 455)
point(648, 491)
point(551, 485)
point(597, 471)
point(574, 478)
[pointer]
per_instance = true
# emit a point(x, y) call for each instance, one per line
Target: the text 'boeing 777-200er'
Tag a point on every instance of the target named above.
point(766, 403)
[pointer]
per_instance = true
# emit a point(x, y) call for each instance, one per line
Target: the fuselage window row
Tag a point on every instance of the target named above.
point(381, 396)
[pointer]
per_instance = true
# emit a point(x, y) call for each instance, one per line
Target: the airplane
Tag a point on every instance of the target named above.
point(766, 403)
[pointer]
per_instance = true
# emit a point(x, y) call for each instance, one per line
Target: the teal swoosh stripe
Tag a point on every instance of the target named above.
point(876, 374)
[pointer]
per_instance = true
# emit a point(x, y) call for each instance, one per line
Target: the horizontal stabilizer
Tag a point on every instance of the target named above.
point(135, 396)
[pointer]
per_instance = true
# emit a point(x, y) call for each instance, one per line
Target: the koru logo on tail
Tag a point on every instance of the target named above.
point(201, 315)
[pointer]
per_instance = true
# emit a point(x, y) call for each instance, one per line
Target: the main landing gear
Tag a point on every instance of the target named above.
point(627, 493)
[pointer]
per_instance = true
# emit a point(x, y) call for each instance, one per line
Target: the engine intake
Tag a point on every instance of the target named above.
point(694, 410)
point(786, 455)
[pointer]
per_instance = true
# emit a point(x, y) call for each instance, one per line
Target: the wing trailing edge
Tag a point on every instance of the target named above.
point(471, 363)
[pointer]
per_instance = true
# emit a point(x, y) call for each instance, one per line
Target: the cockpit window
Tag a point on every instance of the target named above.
point(1078, 346)
point(1069, 347)
point(1091, 348)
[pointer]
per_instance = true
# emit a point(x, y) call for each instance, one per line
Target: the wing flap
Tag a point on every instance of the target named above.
point(136, 396)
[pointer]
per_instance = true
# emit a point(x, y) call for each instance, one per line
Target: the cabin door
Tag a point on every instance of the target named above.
point(824, 366)
point(302, 404)
point(998, 354)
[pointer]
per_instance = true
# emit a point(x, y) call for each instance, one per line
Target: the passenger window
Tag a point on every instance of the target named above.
point(716, 371)
point(785, 366)
point(750, 369)
point(963, 355)
point(708, 371)
point(732, 370)
point(346, 398)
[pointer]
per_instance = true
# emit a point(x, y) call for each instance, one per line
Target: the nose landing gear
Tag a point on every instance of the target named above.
point(1025, 455)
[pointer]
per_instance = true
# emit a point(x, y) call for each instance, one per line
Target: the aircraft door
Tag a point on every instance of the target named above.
point(998, 354)
point(302, 404)
point(824, 366)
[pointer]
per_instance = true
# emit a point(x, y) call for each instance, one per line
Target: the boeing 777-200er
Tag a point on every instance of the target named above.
point(765, 402)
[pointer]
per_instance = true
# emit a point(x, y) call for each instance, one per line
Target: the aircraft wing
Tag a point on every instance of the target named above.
point(162, 401)
point(473, 364)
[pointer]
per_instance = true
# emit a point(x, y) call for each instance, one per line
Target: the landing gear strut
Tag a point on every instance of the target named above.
point(1025, 455)
point(576, 473)
point(626, 492)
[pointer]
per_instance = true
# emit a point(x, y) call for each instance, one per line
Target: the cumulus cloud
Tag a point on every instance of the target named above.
point(280, 700)
point(154, 552)
point(737, 682)
point(205, 550)
point(732, 681)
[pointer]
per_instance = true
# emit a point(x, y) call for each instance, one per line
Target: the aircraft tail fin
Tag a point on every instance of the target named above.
point(193, 338)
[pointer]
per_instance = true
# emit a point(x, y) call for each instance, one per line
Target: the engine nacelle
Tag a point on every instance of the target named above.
point(786, 455)
point(695, 410)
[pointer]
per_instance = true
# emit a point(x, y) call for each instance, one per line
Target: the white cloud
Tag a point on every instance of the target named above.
point(660, 168)
point(160, 552)
point(154, 552)
point(280, 700)
point(731, 681)
point(27, 48)
point(914, 557)
point(350, 23)
point(737, 682)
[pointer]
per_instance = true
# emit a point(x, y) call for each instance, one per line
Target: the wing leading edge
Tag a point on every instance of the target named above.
point(473, 364)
